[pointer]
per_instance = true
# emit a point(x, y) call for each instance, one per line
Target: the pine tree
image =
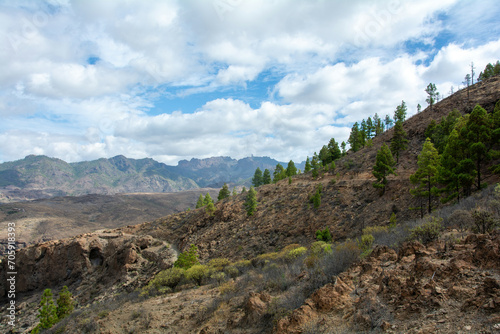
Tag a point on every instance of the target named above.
point(65, 304)
point(478, 133)
point(370, 128)
point(251, 202)
point(354, 137)
point(243, 190)
point(388, 122)
point(316, 199)
point(207, 199)
point(279, 173)
point(333, 148)
point(384, 165)
point(399, 141)
point(489, 71)
point(266, 177)
point(47, 313)
point(188, 258)
point(343, 146)
point(426, 176)
point(307, 167)
point(210, 208)
point(257, 178)
point(433, 94)
point(447, 170)
point(201, 202)
point(234, 192)
point(291, 170)
point(363, 133)
point(378, 124)
point(400, 113)
point(315, 165)
point(223, 193)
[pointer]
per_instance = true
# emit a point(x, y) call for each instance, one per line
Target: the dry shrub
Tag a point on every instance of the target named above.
point(460, 219)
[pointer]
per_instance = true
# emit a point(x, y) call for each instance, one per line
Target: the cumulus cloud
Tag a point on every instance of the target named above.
point(82, 79)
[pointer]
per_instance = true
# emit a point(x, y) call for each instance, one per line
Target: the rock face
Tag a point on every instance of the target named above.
point(420, 287)
point(88, 261)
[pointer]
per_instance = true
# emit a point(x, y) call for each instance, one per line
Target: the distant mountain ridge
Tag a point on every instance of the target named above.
point(38, 176)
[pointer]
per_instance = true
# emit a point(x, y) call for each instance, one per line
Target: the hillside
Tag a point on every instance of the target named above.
point(36, 177)
point(64, 217)
point(449, 285)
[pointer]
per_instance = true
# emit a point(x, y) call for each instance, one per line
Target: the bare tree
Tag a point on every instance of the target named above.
point(472, 71)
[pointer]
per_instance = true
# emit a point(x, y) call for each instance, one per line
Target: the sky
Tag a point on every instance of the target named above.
point(173, 80)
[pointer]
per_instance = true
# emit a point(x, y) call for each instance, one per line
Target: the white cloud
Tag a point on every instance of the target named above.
point(336, 62)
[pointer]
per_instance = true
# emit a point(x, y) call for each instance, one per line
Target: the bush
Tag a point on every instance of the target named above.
point(484, 222)
point(243, 265)
point(373, 230)
point(197, 273)
point(320, 248)
point(295, 253)
point(188, 258)
point(228, 288)
point(461, 219)
point(231, 271)
point(324, 235)
point(219, 263)
point(218, 277)
point(366, 242)
point(168, 278)
point(427, 232)
point(262, 259)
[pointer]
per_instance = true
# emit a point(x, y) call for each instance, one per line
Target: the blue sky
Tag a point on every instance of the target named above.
point(173, 80)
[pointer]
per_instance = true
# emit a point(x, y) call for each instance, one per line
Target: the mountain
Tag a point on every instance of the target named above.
point(266, 273)
point(36, 177)
point(213, 172)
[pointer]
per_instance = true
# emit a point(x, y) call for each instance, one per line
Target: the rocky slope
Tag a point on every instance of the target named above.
point(443, 288)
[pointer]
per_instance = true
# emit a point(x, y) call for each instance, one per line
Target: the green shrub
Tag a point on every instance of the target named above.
point(219, 263)
point(243, 265)
point(188, 258)
point(319, 248)
point(262, 259)
point(366, 242)
point(219, 277)
point(228, 288)
point(427, 232)
point(375, 229)
point(168, 278)
point(392, 221)
point(295, 253)
point(324, 235)
point(197, 273)
point(232, 271)
point(65, 304)
point(103, 314)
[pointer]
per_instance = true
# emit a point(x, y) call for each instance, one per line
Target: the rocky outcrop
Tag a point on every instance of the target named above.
point(419, 287)
point(89, 261)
